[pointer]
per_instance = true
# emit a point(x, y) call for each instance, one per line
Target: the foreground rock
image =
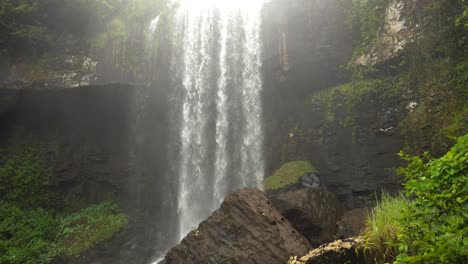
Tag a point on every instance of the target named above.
point(313, 212)
point(352, 223)
point(339, 251)
point(246, 229)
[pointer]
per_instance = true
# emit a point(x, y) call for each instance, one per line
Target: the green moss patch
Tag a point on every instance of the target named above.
point(289, 173)
point(350, 96)
point(83, 230)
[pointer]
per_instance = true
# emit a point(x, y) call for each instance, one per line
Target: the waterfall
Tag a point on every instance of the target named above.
point(217, 88)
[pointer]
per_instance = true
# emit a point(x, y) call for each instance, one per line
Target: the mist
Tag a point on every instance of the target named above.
point(177, 131)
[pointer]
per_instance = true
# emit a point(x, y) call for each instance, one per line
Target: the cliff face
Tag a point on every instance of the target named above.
point(308, 45)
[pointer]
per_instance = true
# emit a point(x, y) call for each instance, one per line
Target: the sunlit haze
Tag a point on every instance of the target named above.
point(221, 4)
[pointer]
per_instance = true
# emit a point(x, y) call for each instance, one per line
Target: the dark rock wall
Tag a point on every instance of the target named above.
point(112, 143)
point(307, 45)
point(90, 127)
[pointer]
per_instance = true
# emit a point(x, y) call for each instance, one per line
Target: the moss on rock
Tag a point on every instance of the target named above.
point(289, 173)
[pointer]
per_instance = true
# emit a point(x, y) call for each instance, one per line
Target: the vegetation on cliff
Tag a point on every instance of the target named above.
point(431, 224)
point(38, 35)
point(426, 83)
point(37, 224)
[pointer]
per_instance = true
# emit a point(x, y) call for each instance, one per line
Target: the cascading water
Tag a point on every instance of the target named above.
point(217, 87)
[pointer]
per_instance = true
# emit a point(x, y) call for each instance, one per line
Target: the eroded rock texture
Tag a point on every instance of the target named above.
point(246, 229)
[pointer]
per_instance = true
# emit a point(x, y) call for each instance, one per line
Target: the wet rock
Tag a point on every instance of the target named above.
point(352, 223)
point(310, 180)
point(246, 229)
point(339, 251)
point(313, 212)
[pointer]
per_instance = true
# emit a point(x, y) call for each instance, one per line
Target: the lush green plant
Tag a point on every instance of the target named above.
point(434, 227)
point(84, 229)
point(383, 226)
point(38, 236)
point(289, 173)
point(26, 235)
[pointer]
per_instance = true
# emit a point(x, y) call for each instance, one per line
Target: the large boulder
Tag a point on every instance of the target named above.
point(313, 212)
point(246, 229)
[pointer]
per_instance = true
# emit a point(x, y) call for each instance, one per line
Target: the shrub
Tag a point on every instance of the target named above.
point(37, 236)
point(383, 226)
point(289, 173)
point(434, 227)
point(26, 235)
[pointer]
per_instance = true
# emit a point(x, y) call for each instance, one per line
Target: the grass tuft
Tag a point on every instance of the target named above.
point(383, 225)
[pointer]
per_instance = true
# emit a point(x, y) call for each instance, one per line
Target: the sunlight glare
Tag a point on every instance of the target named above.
point(244, 5)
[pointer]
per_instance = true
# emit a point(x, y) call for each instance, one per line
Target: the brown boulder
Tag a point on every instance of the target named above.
point(313, 212)
point(246, 229)
point(352, 223)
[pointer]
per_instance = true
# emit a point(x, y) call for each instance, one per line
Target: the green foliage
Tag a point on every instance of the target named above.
point(83, 230)
point(439, 88)
point(289, 173)
point(349, 97)
point(26, 235)
point(383, 226)
point(460, 80)
point(431, 226)
point(25, 176)
point(31, 228)
point(38, 236)
point(366, 18)
point(435, 225)
point(462, 18)
point(35, 25)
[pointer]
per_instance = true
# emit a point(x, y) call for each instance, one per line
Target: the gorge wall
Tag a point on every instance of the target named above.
point(115, 140)
point(308, 46)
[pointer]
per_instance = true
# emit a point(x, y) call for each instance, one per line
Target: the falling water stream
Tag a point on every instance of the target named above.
point(216, 74)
